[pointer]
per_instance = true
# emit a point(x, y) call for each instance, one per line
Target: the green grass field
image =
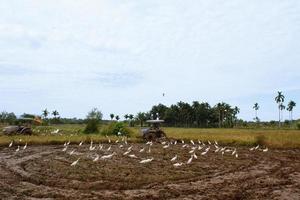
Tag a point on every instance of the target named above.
point(243, 137)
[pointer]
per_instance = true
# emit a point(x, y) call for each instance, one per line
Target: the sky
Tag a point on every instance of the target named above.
point(121, 55)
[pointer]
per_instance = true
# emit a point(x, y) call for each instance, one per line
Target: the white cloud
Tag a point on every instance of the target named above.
point(192, 50)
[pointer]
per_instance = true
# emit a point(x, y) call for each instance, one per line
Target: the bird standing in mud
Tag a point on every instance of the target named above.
point(146, 160)
point(75, 162)
point(10, 144)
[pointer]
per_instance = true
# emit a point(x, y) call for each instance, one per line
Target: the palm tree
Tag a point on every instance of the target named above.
point(290, 108)
point(279, 100)
point(45, 113)
point(55, 113)
point(112, 116)
point(141, 117)
point(117, 117)
point(281, 107)
point(126, 117)
point(256, 108)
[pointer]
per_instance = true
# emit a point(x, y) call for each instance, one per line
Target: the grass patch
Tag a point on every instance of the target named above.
point(243, 137)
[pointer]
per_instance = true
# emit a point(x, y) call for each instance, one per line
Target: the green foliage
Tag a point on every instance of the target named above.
point(6, 117)
point(93, 119)
point(298, 125)
point(115, 127)
point(91, 127)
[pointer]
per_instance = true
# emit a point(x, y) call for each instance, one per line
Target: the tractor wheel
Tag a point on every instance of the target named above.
point(26, 131)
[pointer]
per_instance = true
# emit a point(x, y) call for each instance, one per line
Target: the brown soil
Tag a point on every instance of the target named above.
point(44, 172)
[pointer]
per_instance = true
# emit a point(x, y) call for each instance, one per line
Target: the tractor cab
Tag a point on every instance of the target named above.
point(153, 132)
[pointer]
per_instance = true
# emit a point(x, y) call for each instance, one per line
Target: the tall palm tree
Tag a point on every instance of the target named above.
point(117, 117)
point(55, 113)
point(290, 108)
point(281, 107)
point(112, 116)
point(256, 108)
point(126, 117)
point(279, 100)
point(45, 113)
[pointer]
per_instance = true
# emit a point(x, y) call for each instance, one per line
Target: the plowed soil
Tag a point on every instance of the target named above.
point(44, 172)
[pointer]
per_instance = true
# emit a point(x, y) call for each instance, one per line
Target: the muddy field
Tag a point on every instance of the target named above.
point(45, 172)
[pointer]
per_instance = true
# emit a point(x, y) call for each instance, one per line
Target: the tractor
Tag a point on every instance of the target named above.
point(23, 127)
point(154, 132)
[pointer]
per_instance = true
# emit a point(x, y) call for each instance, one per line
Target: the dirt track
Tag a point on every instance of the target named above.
point(44, 172)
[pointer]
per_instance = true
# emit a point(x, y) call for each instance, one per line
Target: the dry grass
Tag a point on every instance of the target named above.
point(244, 137)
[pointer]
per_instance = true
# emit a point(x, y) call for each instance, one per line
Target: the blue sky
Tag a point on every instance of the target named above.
point(120, 56)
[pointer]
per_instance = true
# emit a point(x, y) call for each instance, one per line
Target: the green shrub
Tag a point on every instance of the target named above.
point(91, 127)
point(298, 125)
point(115, 127)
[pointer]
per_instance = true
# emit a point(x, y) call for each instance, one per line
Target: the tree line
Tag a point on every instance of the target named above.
point(197, 114)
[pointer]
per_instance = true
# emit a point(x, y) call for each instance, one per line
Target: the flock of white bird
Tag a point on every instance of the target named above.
point(193, 148)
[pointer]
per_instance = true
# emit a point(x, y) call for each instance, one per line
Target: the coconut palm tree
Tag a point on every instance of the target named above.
point(256, 108)
point(141, 117)
point(45, 113)
point(112, 116)
point(55, 113)
point(290, 108)
point(126, 117)
point(281, 107)
point(117, 117)
point(279, 100)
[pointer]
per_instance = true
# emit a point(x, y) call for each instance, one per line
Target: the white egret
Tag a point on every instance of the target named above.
point(18, 149)
point(108, 156)
point(177, 164)
point(55, 132)
point(192, 142)
point(25, 146)
point(265, 150)
point(203, 153)
point(209, 142)
point(192, 151)
point(72, 152)
point(108, 149)
point(133, 156)
point(174, 158)
point(80, 143)
point(65, 148)
point(96, 158)
point(233, 152)
point(10, 144)
point(127, 152)
point(182, 141)
point(121, 146)
point(175, 142)
point(195, 156)
point(166, 146)
point(256, 147)
point(75, 162)
point(190, 160)
point(146, 160)
point(142, 150)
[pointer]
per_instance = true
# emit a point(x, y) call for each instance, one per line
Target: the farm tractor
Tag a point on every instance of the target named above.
point(154, 132)
point(24, 126)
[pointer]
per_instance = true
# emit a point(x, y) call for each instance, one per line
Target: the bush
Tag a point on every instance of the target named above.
point(91, 127)
point(116, 127)
point(298, 125)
